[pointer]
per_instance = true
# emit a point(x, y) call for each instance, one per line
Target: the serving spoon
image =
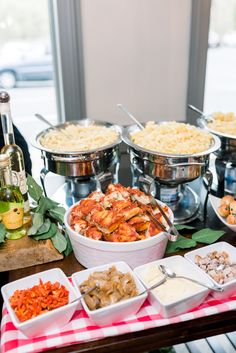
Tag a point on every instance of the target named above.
point(199, 112)
point(40, 117)
point(84, 294)
point(97, 286)
point(171, 274)
point(124, 110)
point(208, 178)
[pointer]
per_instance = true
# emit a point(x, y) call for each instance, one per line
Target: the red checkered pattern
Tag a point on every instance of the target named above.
point(81, 329)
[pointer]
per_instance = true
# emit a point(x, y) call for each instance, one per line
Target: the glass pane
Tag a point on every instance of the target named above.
point(220, 87)
point(26, 67)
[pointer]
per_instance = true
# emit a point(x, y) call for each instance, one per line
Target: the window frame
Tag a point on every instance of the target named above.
point(200, 21)
point(67, 47)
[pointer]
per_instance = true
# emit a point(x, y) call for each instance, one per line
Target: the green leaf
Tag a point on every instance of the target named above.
point(3, 233)
point(16, 234)
point(45, 204)
point(59, 241)
point(207, 235)
point(57, 213)
point(51, 232)
point(69, 248)
point(38, 220)
point(44, 227)
point(34, 189)
point(184, 226)
point(180, 243)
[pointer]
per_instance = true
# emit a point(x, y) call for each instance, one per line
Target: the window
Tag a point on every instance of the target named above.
point(26, 66)
point(220, 87)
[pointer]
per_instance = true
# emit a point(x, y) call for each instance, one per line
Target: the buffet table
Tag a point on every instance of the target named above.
point(154, 338)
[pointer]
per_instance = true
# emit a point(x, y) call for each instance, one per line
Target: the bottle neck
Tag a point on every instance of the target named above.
point(7, 126)
point(5, 176)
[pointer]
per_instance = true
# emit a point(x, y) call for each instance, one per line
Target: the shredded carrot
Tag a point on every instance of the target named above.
point(31, 302)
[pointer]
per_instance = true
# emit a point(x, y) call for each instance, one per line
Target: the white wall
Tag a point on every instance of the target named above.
point(136, 53)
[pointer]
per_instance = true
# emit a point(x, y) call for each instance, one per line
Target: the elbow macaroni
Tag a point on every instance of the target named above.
point(172, 138)
point(80, 138)
point(225, 123)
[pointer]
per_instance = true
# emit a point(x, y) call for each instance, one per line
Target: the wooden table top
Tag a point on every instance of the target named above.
point(150, 339)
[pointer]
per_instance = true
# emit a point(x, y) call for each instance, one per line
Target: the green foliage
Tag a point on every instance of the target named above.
point(47, 235)
point(45, 204)
point(180, 243)
point(48, 216)
point(205, 236)
point(44, 227)
point(59, 241)
point(69, 248)
point(58, 214)
point(35, 191)
point(38, 220)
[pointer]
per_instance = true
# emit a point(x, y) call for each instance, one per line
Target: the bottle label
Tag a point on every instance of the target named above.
point(19, 179)
point(4, 108)
point(12, 214)
point(169, 195)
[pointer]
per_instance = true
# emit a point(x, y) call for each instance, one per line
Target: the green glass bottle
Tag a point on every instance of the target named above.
point(11, 201)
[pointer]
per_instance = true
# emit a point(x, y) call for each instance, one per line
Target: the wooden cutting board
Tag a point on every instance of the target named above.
point(25, 252)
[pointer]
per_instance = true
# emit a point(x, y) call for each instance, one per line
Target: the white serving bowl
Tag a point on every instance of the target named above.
point(51, 320)
point(180, 266)
point(215, 202)
point(90, 252)
point(114, 312)
point(229, 287)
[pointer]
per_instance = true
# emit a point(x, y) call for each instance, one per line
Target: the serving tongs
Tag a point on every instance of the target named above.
point(172, 232)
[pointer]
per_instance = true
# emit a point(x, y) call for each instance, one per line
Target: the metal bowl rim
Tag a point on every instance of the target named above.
point(125, 136)
point(215, 132)
point(87, 122)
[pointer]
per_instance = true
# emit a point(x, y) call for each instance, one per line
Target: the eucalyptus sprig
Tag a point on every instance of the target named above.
point(205, 236)
point(48, 218)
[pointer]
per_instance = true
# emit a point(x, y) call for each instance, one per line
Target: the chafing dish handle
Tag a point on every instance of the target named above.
point(100, 177)
point(68, 159)
point(43, 174)
point(186, 164)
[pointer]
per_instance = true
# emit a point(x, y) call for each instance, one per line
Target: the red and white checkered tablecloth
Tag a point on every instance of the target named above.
point(81, 329)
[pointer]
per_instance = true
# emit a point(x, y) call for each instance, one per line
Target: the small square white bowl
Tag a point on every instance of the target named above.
point(229, 287)
point(51, 320)
point(115, 312)
point(181, 267)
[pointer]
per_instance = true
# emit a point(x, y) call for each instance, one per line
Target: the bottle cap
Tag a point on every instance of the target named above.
point(4, 160)
point(4, 97)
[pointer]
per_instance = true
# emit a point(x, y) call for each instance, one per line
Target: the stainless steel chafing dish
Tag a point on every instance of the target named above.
point(169, 169)
point(228, 142)
point(80, 163)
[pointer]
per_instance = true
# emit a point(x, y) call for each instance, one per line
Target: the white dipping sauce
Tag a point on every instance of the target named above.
point(173, 289)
